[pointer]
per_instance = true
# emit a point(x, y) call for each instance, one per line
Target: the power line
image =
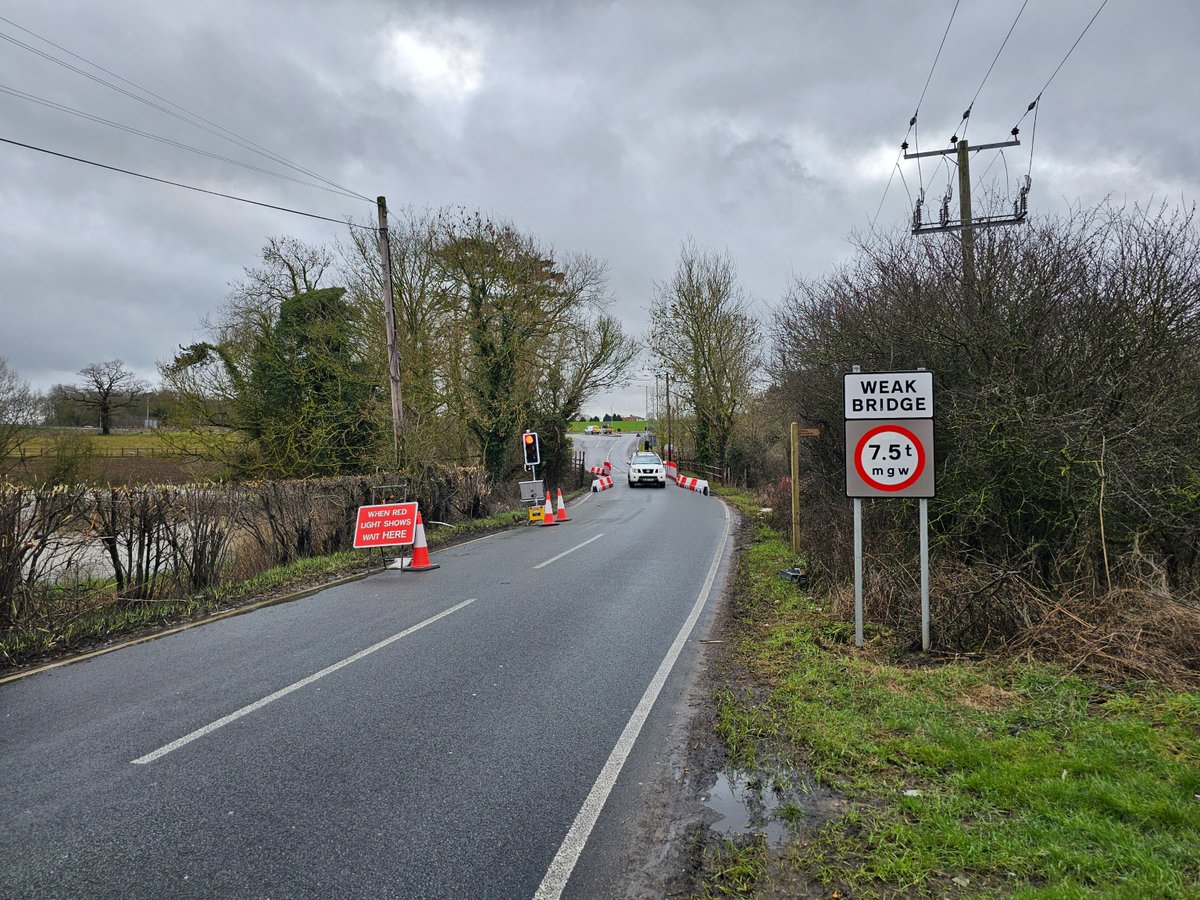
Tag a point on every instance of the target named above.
point(971, 105)
point(1037, 98)
point(937, 56)
point(879, 208)
point(191, 118)
point(913, 121)
point(295, 212)
point(33, 98)
point(1073, 46)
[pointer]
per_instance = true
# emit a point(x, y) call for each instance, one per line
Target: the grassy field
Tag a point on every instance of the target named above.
point(115, 443)
point(962, 778)
point(627, 427)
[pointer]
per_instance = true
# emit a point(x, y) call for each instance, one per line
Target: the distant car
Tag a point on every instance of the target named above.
point(590, 429)
point(606, 429)
point(646, 467)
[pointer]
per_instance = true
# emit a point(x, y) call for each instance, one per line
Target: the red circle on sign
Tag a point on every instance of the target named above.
point(898, 429)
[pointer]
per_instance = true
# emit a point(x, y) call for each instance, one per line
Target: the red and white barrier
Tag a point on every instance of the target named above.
point(603, 483)
point(672, 470)
point(699, 485)
point(599, 471)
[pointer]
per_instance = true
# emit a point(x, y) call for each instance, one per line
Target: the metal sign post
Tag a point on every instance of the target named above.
point(532, 491)
point(889, 453)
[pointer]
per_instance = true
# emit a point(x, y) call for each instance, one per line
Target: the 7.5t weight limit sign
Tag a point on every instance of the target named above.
point(889, 434)
point(889, 458)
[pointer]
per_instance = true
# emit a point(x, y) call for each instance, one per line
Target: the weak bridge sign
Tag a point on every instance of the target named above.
point(889, 434)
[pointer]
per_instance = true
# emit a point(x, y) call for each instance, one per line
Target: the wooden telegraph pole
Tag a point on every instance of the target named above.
point(964, 212)
point(795, 488)
point(966, 223)
point(797, 433)
point(670, 442)
point(389, 312)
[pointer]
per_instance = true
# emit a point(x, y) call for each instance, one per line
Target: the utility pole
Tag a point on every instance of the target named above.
point(670, 442)
point(795, 488)
point(797, 433)
point(389, 312)
point(657, 409)
point(966, 223)
point(964, 214)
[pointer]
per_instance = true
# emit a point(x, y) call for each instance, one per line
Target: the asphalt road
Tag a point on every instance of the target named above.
point(454, 733)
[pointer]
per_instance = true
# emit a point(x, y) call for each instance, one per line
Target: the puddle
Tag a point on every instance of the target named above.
point(767, 805)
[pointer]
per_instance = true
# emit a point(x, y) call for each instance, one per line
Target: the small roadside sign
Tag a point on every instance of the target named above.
point(889, 453)
point(536, 513)
point(385, 525)
point(532, 491)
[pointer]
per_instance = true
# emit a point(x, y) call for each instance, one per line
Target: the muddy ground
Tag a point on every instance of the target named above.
point(689, 811)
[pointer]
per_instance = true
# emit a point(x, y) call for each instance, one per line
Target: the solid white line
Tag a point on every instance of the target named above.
point(572, 550)
point(555, 880)
point(283, 692)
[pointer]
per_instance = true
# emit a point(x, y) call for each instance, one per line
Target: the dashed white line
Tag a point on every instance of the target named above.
point(572, 550)
point(555, 880)
point(283, 692)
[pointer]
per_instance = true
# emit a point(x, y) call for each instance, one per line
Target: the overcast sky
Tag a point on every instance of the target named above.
point(616, 128)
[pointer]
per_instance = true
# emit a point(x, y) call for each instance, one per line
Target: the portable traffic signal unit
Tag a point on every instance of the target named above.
point(533, 448)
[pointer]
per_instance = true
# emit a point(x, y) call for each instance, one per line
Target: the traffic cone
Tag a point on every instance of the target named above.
point(562, 509)
point(420, 558)
point(548, 512)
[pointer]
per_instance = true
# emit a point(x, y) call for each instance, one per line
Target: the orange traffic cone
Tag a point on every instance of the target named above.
point(548, 512)
point(562, 509)
point(420, 558)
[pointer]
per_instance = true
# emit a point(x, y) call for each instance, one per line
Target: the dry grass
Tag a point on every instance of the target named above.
point(1134, 630)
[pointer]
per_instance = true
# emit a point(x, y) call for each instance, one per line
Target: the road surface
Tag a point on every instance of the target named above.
point(481, 730)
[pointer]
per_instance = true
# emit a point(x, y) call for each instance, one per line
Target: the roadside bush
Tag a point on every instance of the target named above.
point(38, 544)
point(1067, 382)
point(74, 456)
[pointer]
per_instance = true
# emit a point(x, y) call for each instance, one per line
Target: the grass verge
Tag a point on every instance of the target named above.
point(964, 778)
point(53, 637)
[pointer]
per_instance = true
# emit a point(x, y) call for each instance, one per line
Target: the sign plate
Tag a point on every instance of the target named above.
point(886, 458)
point(532, 490)
point(385, 525)
point(888, 395)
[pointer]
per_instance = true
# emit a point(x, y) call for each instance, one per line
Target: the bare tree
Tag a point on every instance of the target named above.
point(702, 331)
point(107, 387)
point(18, 411)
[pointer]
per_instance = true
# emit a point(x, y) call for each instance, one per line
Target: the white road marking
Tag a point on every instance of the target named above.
point(283, 692)
point(555, 880)
point(572, 550)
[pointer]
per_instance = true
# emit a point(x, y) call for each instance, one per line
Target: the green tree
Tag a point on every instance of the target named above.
point(307, 391)
point(300, 397)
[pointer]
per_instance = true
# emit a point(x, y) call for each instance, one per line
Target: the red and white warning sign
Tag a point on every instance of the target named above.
point(385, 525)
point(889, 457)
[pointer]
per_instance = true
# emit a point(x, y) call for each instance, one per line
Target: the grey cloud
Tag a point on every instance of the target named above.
point(618, 128)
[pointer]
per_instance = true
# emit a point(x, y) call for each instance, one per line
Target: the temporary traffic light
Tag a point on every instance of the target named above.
point(533, 448)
